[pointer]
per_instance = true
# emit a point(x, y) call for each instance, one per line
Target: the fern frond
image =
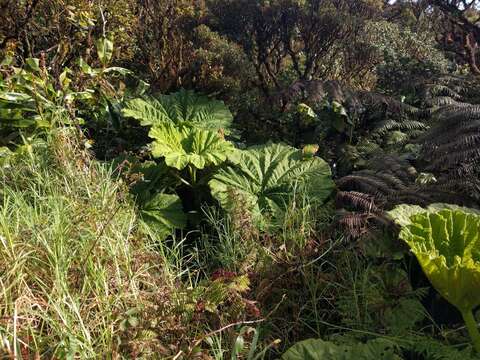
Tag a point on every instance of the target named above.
point(394, 182)
point(367, 147)
point(462, 111)
point(447, 160)
point(395, 166)
point(354, 223)
point(440, 90)
point(469, 140)
point(356, 200)
point(442, 101)
point(431, 348)
point(410, 195)
point(386, 104)
point(389, 125)
point(365, 183)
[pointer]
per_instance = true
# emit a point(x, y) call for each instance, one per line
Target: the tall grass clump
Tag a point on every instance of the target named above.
point(77, 277)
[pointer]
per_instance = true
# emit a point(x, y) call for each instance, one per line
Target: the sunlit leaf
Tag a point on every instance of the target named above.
point(265, 178)
point(104, 50)
point(184, 145)
point(446, 242)
point(180, 108)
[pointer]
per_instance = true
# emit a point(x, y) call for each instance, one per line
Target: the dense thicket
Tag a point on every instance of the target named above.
point(248, 153)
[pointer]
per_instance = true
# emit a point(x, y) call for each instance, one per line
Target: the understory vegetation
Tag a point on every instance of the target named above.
point(240, 179)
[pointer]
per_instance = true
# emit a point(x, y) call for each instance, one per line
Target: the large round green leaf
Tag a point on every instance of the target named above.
point(179, 108)
point(446, 241)
point(265, 179)
point(184, 145)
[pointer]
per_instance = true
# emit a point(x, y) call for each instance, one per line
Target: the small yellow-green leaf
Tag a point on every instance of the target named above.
point(104, 50)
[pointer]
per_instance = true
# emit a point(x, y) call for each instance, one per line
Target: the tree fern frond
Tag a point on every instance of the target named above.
point(394, 166)
point(367, 147)
point(461, 142)
point(410, 125)
point(354, 223)
point(411, 195)
point(460, 111)
point(440, 101)
point(447, 160)
point(448, 133)
point(365, 183)
point(440, 90)
point(356, 200)
point(386, 104)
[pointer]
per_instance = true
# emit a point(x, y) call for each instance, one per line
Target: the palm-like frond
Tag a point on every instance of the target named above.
point(386, 126)
point(356, 200)
point(453, 141)
point(447, 133)
point(395, 166)
point(366, 182)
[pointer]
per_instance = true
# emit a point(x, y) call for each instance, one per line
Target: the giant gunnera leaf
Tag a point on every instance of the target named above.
point(180, 108)
point(264, 180)
point(184, 145)
point(317, 349)
point(163, 213)
point(446, 241)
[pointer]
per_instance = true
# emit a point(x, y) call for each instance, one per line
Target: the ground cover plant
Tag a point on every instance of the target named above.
point(239, 179)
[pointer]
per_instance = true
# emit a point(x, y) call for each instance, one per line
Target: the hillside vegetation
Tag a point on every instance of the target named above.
point(239, 179)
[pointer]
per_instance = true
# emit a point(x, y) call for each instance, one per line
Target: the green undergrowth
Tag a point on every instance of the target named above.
point(82, 276)
point(78, 277)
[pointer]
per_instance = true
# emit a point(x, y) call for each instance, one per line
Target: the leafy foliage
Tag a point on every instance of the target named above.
point(267, 177)
point(184, 146)
point(396, 122)
point(373, 291)
point(183, 107)
point(164, 213)
point(32, 99)
point(28, 98)
point(445, 241)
